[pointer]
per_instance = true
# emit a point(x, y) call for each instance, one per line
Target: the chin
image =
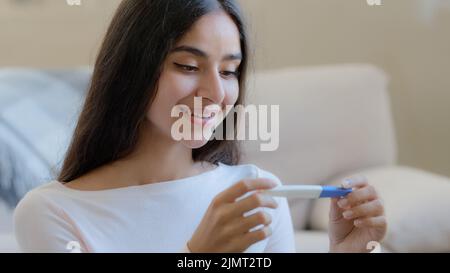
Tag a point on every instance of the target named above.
point(194, 144)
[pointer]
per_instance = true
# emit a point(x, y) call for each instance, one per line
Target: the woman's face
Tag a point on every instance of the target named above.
point(202, 65)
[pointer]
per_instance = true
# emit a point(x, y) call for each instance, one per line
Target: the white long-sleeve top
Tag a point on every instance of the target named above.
point(157, 217)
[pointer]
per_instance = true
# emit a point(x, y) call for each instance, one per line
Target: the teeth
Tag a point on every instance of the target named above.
point(206, 114)
point(197, 116)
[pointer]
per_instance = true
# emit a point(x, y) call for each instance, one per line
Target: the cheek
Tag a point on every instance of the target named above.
point(172, 88)
point(232, 93)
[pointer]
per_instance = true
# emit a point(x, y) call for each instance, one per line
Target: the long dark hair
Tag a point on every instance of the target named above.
point(125, 80)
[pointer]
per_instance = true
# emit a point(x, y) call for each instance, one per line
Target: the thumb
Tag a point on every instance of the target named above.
point(335, 211)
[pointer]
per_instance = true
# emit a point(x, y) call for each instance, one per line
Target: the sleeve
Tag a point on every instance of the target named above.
point(282, 239)
point(41, 226)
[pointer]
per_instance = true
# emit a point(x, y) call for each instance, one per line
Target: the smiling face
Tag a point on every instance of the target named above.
point(204, 63)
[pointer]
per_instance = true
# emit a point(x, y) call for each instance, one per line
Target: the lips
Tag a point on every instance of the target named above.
point(208, 116)
point(206, 113)
point(199, 115)
point(200, 119)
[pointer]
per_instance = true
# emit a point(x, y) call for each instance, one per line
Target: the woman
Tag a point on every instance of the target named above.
point(127, 186)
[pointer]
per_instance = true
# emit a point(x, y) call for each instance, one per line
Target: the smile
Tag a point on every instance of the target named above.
point(201, 119)
point(211, 115)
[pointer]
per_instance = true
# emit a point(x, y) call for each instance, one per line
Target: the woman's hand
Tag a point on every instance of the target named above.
point(224, 227)
point(356, 219)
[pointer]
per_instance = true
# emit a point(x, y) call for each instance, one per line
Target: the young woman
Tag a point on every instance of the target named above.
point(127, 186)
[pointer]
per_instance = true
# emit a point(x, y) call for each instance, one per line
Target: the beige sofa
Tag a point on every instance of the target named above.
point(336, 121)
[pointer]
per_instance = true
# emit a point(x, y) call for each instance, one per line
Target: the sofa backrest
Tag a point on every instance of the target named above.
point(38, 110)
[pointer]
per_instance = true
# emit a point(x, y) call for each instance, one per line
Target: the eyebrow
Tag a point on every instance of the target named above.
point(200, 53)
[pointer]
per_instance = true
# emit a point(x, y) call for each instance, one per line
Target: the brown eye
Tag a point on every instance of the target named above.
point(230, 73)
point(187, 68)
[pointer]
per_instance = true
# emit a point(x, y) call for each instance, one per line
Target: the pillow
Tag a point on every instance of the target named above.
point(417, 205)
point(37, 115)
point(318, 126)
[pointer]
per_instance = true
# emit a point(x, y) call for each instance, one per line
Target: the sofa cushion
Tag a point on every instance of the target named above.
point(333, 119)
point(311, 241)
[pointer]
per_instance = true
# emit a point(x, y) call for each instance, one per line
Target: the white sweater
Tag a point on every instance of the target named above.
point(159, 217)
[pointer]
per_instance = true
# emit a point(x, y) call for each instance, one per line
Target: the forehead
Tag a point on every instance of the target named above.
point(215, 33)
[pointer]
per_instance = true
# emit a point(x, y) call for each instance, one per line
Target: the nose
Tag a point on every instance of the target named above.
point(211, 88)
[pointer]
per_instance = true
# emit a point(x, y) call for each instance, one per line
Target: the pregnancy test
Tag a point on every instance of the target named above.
point(308, 191)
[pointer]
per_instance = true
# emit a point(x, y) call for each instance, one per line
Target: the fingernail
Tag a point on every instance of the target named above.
point(347, 183)
point(347, 214)
point(273, 201)
point(270, 198)
point(342, 203)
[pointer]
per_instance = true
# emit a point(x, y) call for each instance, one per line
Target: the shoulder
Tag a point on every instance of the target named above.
point(40, 224)
point(251, 171)
point(37, 203)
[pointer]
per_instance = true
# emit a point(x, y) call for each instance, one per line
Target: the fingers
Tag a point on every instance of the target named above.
point(245, 224)
point(251, 202)
point(258, 235)
point(363, 192)
point(335, 210)
point(371, 222)
point(370, 209)
point(357, 181)
point(237, 190)
point(361, 195)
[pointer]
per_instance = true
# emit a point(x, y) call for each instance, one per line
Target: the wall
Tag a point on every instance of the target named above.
point(412, 47)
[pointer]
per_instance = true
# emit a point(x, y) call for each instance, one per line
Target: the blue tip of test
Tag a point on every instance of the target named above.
point(333, 192)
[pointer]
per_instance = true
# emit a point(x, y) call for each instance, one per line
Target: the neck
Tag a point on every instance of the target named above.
point(156, 158)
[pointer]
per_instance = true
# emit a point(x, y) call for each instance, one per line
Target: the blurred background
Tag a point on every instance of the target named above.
point(362, 88)
point(408, 39)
